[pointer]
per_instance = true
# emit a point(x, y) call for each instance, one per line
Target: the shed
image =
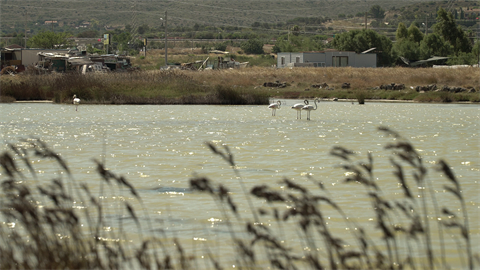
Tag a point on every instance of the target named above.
point(27, 57)
point(326, 59)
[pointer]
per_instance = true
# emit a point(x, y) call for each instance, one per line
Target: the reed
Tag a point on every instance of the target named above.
point(154, 87)
point(6, 99)
point(60, 223)
point(399, 221)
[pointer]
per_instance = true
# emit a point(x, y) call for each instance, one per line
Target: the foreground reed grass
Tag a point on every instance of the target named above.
point(404, 225)
point(201, 87)
point(60, 223)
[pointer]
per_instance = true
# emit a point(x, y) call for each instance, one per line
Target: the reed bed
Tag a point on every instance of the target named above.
point(199, 87)
point(42, 222)
point(148, 87)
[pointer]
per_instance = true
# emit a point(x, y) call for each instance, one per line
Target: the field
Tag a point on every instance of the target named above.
point(212, 12)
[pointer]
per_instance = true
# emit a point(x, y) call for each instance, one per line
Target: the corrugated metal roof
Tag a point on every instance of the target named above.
point(79, 61)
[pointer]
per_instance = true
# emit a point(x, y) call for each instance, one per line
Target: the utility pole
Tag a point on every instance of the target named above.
point(145, 47)
point(25, 37)
point(166, 44)
point(365, 20)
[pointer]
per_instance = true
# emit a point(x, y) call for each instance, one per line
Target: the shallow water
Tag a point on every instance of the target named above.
point(159, 148)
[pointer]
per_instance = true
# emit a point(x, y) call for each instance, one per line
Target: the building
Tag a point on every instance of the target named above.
point(326, 59)
point(23, 57)
point(61, 60)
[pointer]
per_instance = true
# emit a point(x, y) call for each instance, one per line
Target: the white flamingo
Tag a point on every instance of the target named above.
point(76, 101)
point(275, 106)
point(310, 108)
point(298, 107)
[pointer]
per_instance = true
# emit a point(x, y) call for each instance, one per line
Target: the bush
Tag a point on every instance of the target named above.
point(361, 95)
point(222, 46)
point(252, 46)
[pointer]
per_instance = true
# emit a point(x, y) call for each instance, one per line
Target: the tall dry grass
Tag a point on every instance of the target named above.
point(363, 82)
point(359, 78)
point(176, 86)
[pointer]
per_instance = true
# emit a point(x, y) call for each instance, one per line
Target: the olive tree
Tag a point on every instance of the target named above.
point(377, 12)
point(476, 51)
point(49, 40)
point(451, 32)
point(402, 31)
point(434, 45)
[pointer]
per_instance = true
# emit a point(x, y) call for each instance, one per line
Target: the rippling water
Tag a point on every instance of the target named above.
point(159, 148)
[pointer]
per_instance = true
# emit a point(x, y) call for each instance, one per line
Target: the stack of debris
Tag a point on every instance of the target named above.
point(275, 84)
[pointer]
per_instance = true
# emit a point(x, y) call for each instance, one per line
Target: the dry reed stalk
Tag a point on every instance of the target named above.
point(401, 220)
point(57, 241)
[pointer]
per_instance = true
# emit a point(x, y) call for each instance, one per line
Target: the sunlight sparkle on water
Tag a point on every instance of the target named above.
point(167, 145)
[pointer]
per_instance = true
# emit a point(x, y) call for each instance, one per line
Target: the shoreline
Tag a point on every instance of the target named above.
point(33, 101)
point(329, 99)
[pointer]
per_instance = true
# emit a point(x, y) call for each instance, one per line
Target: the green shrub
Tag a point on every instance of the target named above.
point(221, 46)
point(361, 95)
point(252, 46)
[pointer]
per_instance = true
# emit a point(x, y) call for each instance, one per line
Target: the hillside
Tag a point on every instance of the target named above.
point(269, 15)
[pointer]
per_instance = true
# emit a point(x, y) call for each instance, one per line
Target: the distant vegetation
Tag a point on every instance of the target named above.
point(415, 30)
point(223, 19)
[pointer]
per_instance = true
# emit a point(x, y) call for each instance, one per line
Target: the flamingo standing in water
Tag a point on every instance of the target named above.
point(310, 108)
point(275, 106)
point(298, 107)
point(76, 101)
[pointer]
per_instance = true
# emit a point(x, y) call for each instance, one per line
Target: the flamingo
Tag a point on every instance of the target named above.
point(275, 106)
point(76, 101)
point(310, 108)
point(298, 107)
